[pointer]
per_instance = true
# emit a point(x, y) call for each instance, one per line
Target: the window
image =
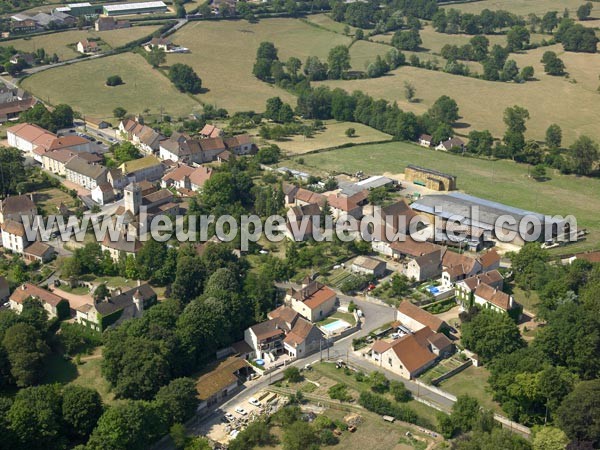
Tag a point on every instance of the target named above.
point(390, 361)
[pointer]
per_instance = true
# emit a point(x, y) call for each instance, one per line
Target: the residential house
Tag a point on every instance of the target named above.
point(425, 140)
point(110, 23)
point(424, 267)
point(116, 308)
point(103, 193)
point(289, 192)
point(240, 144)
point(314, 301)
point(16, 207)
point(412, 354)
point(40, 252)
point(490, 260)
point(304, 197)
point(415, 318)
point(160, 43)
point(451, 143)
point(86, 46)
point(55, 305)
point(392, 224)
point(366, 265)
point(14, 237)
point(493, 298)
point(301, 221)
point(13, 101)
point(457, 267)
point(97, 124)
point(4, 289)
point(84, 174)
point(124, 246)
point(22, 58)
point(200, 176)
point(143, 137)
point(114, 176)
point(343, 206)
point(221, 382)
point(211, 131)
point(25, 24)
point(147, 168)
point(465, 289)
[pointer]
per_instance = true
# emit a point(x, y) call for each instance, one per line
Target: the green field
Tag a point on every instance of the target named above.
point(223, 54)
point(144, 87)
point(518, 6)
point(502, 181)
point(57, 42)
point(472, 381)
point(333, 136)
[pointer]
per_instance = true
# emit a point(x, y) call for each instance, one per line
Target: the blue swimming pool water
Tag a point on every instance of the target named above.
point(334, 326)
point(433, 290)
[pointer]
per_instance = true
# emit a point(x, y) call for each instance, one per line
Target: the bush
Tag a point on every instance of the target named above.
point(339, 392)
point(114, 80)
point(399, 391)
point(379, 383)
point(380, 405)
point(292, 375)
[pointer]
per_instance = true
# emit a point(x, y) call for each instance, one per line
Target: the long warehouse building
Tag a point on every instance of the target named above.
point(124, 9)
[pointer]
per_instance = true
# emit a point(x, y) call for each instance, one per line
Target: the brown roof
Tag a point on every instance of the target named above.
point(17, 106)
point(61, 156)
point(313, 295)
point(433, 258)
point(122, 244)
point(28, 132)
point(342, 202)
point(494, 296)
point(201, 175)
point(67, 141)
point(439, 340)
point(420, 315)
point(307, 196)
point(593, 257)
point(367, 262)
point(490, 278)
point(269, 328)
point(238, 140)
point(13, 227)
point(312, 209)
point(155, 197)
point(381, 346)
point(210, 130)
point(489, 259)
point(17, 204)
point(27, 290)
point(458, 263)
point(413, 248)
point(213, 143)
point(179, 173)
point(299, 332)
point(284, 313)
point(222, 376)
point(413, 350)
point(38, 249)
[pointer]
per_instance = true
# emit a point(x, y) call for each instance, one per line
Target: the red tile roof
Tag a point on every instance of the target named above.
point(420, 315)
point(30, 290)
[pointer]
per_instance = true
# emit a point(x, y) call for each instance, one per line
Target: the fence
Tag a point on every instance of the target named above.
point(451, 373)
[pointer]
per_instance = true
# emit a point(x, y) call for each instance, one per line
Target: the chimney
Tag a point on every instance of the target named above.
point(23, 287)
point(139, 283)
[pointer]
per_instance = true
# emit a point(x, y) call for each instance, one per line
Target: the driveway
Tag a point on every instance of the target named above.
point(75, 300)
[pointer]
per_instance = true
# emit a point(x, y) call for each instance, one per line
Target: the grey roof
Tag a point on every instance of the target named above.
point(81, 166)
point(461, 205)
point(375, 182)
point(123, 300)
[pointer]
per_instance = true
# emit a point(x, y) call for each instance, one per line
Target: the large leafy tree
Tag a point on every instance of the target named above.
point(81, 409)
point(177, 400)
point(26, 351)
point(185, 79)
point(584, 154)
point(338, 61)
point(579, 414)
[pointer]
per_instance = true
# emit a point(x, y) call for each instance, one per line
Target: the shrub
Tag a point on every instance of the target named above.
point(293, 375)
point(339, 392)
point(114, 80)
point(381, 405)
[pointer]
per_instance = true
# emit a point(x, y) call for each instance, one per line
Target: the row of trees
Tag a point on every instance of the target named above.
point(452, 21)
point(382, 17)
point(60, 117)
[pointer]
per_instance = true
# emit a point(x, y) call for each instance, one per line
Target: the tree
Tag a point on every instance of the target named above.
point(409, 40)
point(299, 436)
point(515, 118)
point(510, 71)
point(156, 56)
point(35, 417)
point(293, 375)
point(125, 151)
point(81, 409)
point(409, 91)
point(538, 172)
point(269, 154)
point(185, 79)
point(579, 413)
point(553, 65)
point(490, 334)
point(517, 38)
point(26, 352)
point(338, 61)
point(584, 154)
point(119, 112)
point(262, 69)
point(150, 259)
point(273, 107)
point(554, 136)
point(189, 278)
point(444, 110)
point(314, 69)
point(584, 11)
point(268, 51)
point(528, 265)
point(549, 438)
point(465, 412)
point(399, 391)
point(480, 142)
point(131, 425)
point(177, 400)
point(351, 132)
point(527, 73)
point(549, 22)
point(114, 80)
point(62, 116)
point(12, 166)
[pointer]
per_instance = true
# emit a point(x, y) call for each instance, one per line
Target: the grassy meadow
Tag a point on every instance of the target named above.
point(503, 181)
point(522, 8)
point(144, 87)
point(58, 42)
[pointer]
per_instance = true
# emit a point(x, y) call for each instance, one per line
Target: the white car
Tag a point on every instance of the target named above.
point(241, 411)
point(230, 417)
point(234, 433)
point(254, 402)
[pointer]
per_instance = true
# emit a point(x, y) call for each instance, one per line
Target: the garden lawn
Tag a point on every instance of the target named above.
point(472, 381)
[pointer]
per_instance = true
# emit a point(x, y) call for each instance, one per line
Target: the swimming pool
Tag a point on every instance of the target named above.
point(336, 326)
point(433, 290)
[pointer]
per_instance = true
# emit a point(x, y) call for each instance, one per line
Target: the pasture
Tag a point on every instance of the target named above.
point(503, 181)
point(333, 136)
point(144, 88)
point(570, 102)
point(58, 42)
point(223, 54)
point(522, 8)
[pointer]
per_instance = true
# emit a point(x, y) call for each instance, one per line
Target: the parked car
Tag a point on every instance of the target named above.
point(241, 411)
point(254, 402)
point(230, 417)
